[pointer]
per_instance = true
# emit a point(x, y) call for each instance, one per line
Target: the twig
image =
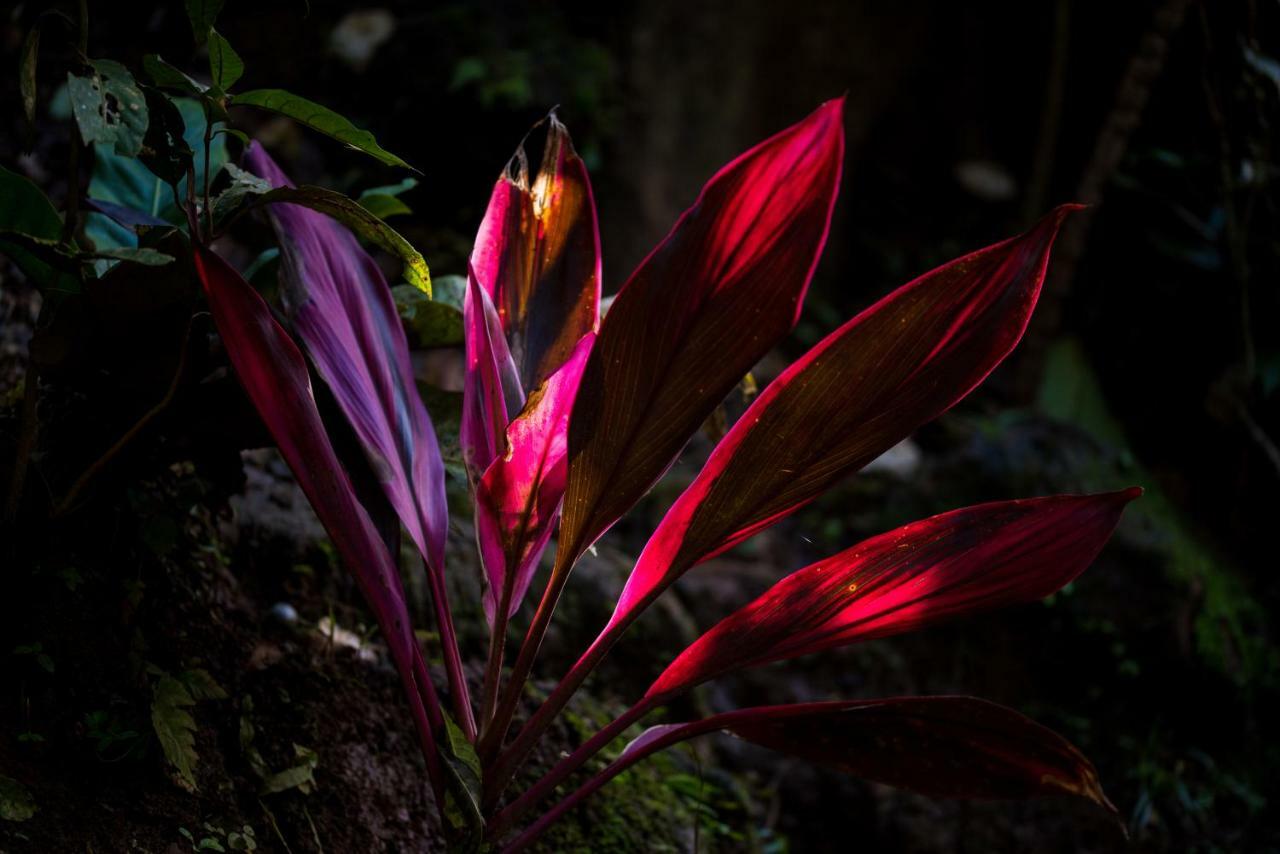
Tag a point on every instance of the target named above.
point(76, 488)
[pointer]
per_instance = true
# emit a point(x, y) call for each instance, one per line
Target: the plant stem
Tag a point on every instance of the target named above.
point(677, 734)
point(493, 667)
point(503, 821)
point(491, 744)
point(509, 760)
point(459, 692)
point(92, 471)
point(208, 141)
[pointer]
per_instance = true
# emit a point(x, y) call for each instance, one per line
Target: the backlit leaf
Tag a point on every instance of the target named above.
point(962, 562)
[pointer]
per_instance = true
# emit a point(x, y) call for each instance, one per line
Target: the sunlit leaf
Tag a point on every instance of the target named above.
point(723, 287)
point(537, 255)
point(350, 213)
point(317, 118)
point(963, 562)
point(860, 391)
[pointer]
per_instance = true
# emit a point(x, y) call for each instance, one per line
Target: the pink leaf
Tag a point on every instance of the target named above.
point(518, 499)
point(491, 388)
point(274, 373)
point(342, 309)
point(537, 256)
point(963, 562)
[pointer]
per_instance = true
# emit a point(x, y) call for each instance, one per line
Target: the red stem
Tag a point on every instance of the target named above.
point(503, 821)
point(681, 732)
point(509, 761)
point(459, 693)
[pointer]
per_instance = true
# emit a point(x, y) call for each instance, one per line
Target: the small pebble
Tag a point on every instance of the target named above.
point(284, 612)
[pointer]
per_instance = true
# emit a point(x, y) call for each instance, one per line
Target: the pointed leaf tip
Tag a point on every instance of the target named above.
point(956, 564)
point(707, 303)
point(865, 387)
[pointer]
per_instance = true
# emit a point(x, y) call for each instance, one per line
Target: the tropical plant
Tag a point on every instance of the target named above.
point(568, 420)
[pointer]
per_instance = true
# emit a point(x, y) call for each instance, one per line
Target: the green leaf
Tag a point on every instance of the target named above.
point(349, 212)
point(243, 185)
point(24, 209)
point(225, 65)
point(317, 118)
point(109, 107)
point(128, 182)
point(383, 206)
point(462, 801)
point(175, 728)
point(300, 776)
point(203, 14)
point(133, 254)
point(391, 189)
point(165, 149)
point(171, 77)
point(27, 74)
point(449, 290)
point(430, 323)
point(16, 803)
point(50, 253)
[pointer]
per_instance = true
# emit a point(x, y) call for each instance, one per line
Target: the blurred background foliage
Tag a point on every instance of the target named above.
point(1153, 359)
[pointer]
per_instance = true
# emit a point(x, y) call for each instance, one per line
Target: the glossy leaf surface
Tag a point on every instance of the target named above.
point(342, 308)
point(721, 289)
point(864, 388)
point(537, 255)
point(518, 499)
point(963, 562)
point(491, 388)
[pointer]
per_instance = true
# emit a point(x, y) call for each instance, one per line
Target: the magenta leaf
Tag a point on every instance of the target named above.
point(963, 562)
point(537, 256)
point(491, 389)
point(518, 499)
point(274, 373)
point(342, 309)
point(861, 390)
point(706, 304)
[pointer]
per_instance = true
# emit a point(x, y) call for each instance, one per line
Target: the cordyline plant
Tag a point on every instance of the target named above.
point(568, 420)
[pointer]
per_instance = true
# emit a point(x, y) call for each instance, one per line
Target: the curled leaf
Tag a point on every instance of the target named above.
point(537, 255)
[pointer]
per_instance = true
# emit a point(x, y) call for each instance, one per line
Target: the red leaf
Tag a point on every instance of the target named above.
point(274, 373)
point(944, 747)
point(537, 256)
point(698, 313)
point(491, 389)
point(962, 562)
point(861, 390)
point(518, 499)
point(342, 309)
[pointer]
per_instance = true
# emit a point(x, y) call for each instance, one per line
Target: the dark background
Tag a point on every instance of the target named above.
point(1154, 357)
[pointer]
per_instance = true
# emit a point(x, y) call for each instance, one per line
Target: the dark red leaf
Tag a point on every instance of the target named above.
point(537, 255)
point(274, 373)
point(962, 562)
point(861, 390)
point(946, 747)
point(723, 287)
